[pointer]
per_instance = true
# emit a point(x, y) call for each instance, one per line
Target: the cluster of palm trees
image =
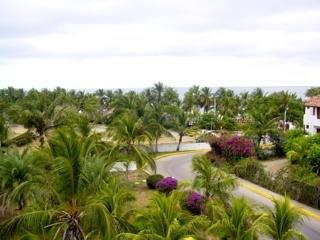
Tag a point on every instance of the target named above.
point(161, 105)
point(67, 187)
point(68, 190)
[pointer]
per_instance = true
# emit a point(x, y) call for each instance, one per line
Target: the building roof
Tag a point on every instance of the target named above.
point(312, 101)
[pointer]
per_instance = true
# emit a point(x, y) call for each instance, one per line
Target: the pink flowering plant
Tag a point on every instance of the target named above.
point(195, 202)
point(232, 147)
point(167, 184)
point(237, 147)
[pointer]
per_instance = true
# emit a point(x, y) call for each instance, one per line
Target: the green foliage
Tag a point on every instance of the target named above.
point(3, 130)
point(153, 180)
point(253, 171)
point(279, 224)
point(20, 140)
point(313, 91)
point(241, 221)
point(213, 181)
point(313, 157)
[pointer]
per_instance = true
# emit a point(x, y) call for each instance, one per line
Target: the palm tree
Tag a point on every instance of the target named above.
point(3, 131)
point(206, 98)
point(238, 222)
point(15, 169)
point(261, 123)
point(213, 181)
point(158, 89)
point(157, 121)
point(181, 125)
point(39, 113)
point(130, 135)
point(163, 219)
point(282, 219)
point(83, 200)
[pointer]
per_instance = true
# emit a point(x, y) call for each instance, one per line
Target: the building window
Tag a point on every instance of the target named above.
point(318, 112)
point(307, 107)
point(314, 111)
point(307, 126)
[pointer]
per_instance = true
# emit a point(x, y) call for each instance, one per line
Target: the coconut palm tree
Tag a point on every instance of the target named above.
point(84, 200)
point(213, 181)
point(282, 219)
point(163, 219)
point(130, 135)
point(241, 221)
point(3, 130)
point(15, 169)
point(180, 124)
point(261, 123)
point(206, 98)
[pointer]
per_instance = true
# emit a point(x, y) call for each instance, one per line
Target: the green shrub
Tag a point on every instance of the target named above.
point(313, 157)
point(294, 157)
point(153, 180)
point(253, 171)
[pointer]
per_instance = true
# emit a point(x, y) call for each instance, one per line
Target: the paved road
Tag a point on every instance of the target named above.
point(179, 166)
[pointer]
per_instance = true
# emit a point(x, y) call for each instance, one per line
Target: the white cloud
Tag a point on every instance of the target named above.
point(122, 43)
point(137, 72)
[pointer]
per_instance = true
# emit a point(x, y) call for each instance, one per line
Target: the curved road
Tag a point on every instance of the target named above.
point(179, 166)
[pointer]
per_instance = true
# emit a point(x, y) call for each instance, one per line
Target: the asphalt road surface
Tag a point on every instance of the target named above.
point(179, 166)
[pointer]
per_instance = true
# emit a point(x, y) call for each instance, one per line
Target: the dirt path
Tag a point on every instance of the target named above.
point(274, 166)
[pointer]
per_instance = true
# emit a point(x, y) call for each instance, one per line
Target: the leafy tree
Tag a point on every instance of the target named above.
point(130, 136)
point(213, 181)
point(279, 224)
point(239, 222)
point(181, 124)
point(82, 199)
point(163, 220)
point(314, 91)
point(3, 130)
point(313, 157)
point(261, 123)
point(206, 99)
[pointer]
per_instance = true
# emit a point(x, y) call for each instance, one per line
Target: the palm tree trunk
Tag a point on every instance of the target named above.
point(127, 172)
point(180, 140)
point(156, 145)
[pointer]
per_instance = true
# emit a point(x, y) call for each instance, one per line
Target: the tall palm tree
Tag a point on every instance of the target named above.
point(213, 181)
point(158, 89)
point(157, 121)
point(261, 123)
point(239, 222)
point(206, 98)
point(84, 200)
point(3, 130)
point(130, 135)
point(181, 125)
point(282, 219)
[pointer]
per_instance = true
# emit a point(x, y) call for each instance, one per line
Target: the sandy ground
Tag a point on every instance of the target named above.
point(15, 130)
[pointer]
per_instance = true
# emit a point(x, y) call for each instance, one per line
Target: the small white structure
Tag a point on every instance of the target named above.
point(311, 118)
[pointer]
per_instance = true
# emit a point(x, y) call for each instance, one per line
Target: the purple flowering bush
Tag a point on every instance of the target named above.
point(195, 202)
point(167, 184)
point(237, 147)
point(232, 147)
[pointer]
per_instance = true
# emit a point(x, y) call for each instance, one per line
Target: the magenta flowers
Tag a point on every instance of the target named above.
point(234, 147)
point(195, 202)
point(167, 184)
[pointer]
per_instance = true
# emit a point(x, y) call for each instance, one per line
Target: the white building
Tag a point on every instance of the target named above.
point(311, 118)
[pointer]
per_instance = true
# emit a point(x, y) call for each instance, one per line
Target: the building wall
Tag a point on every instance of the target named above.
point(310, 119)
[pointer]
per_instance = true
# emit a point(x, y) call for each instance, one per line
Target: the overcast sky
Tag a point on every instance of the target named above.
point(134, 43)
